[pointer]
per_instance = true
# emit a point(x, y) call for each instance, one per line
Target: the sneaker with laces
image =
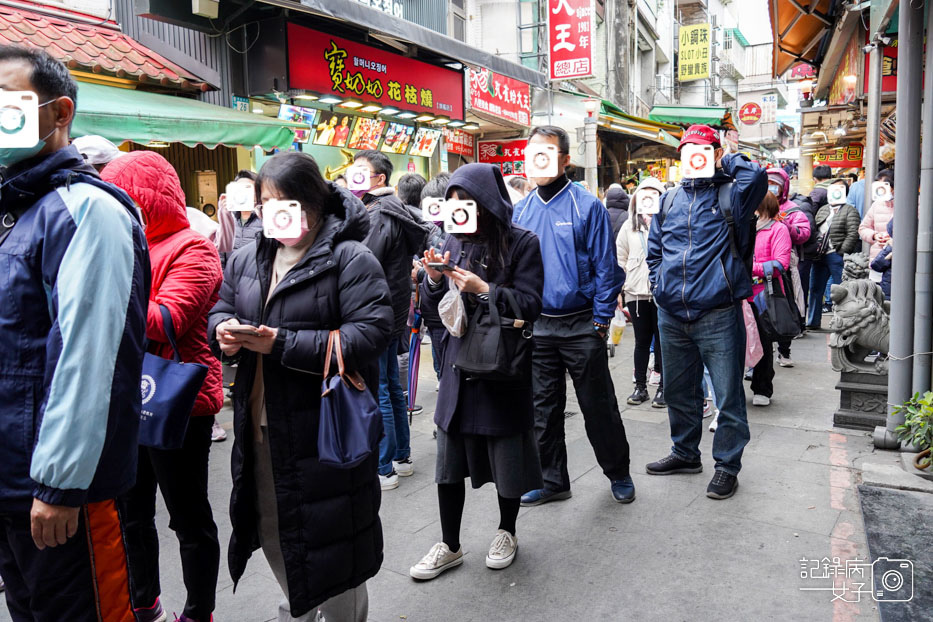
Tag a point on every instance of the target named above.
point(218, 434)
point(714, 424)
point(404, 468)
point(785, 361)
point(671, 464)
point(389, 482)
point(155, 613)
point(761, 400)
point(639, 396)
point(722, 486)
point(659, 401)
point(655, 379)
point(439, 559)
point(502, 550)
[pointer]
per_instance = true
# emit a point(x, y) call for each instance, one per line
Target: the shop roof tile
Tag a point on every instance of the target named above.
point(100, 48)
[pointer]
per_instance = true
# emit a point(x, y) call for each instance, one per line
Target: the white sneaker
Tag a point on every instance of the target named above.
point(389, 482)
point(651, 361)
point(654, 379)
point(438, 559)
point(761, 400)
point(785, 362)
point(404, 468)
point(218, 434)
point(502, 550)
point(708, 409)
point(714, 424)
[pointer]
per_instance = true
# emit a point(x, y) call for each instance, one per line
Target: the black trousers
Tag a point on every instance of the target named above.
point(84, 580)
point(181, 475)
point(645, 322)
point(570, 345)
point(763, 373)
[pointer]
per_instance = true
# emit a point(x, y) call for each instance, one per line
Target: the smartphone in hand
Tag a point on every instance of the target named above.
point(242, 329)
point(440, 267)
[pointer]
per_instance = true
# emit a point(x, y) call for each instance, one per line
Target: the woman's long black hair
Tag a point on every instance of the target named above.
point(492, 232)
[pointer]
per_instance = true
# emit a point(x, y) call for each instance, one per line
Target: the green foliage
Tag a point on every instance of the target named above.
point(917, 428)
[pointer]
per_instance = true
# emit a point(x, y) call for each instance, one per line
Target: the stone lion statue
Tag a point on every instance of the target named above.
point(860, 326)
point(854, 267)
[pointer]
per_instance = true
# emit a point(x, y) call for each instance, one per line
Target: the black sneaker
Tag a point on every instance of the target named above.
point(722, 486)
point(671, 464)
point(639, 396)
point(658, 401)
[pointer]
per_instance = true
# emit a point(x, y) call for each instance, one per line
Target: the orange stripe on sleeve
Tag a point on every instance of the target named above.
point(108, 562)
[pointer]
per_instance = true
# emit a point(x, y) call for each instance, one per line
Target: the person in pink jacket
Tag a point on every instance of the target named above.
point(772, 257)
point(798, 225)
point(874, 227)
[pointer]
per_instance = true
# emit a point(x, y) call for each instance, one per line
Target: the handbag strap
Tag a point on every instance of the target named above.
point(493, 307)
point(169, 329)
point(352, 378)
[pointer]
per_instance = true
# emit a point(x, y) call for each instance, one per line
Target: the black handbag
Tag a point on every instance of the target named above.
point(496, 347)
point(778, 320)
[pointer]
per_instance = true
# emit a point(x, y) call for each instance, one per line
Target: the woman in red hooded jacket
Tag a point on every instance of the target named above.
point(186, 278)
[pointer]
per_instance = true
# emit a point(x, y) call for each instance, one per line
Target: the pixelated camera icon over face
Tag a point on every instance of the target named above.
point(460, 217)
point(19, 119)
point(836, 194)
point(433, 209)
point(281, 219)
point(358, 178)
point(698, 161)
point(541, 160)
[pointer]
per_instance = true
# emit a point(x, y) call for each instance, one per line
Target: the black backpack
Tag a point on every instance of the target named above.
point(747, 254)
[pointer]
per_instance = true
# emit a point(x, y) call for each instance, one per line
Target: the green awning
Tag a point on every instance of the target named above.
point(612, 117)
point(688, 115)
point(127, 115)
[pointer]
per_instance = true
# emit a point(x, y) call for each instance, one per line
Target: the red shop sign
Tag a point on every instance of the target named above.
point(327, 64)
point(888, 66)
point(750, 113)
point(843, 157)
point(500, 96)
point(570, 32)
point(458, 142)
point(509, 155)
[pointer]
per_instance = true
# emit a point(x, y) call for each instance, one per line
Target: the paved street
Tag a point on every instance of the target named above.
point(674, 554)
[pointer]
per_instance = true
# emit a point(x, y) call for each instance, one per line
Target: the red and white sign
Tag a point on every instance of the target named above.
point(571, 29)
point(458, 142)
point(323, 63)
point(500, 96)
point(750, 113)
point(843, 157)
point(801, 71)
point(509, 155)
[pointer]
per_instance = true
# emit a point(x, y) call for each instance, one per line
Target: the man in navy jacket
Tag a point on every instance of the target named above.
point(582, 280)
point(699, 280)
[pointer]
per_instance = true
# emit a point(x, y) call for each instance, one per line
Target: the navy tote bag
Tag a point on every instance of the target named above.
point(169, 388)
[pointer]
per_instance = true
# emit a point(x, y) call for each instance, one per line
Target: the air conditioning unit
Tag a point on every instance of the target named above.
point(206, 8)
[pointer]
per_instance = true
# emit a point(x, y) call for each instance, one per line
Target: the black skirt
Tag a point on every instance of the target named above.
point(510, 462)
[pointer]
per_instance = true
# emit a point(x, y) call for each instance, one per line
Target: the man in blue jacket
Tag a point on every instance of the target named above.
point(582, 280)
point(699, 279)
point(75, 282)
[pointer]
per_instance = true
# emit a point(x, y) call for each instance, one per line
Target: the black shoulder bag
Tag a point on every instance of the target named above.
point(497, 347)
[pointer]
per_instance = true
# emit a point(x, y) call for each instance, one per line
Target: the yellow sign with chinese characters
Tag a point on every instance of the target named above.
point(693, 60)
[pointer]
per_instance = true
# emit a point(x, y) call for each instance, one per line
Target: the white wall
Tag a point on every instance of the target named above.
point(100, 8)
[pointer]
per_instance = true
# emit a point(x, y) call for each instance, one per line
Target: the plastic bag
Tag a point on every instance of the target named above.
point(453, 314)
point(753, 349)
point(617, 327)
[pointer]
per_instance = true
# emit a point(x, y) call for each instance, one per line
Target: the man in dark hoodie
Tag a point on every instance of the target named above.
point(394, 238)
point(617, 201)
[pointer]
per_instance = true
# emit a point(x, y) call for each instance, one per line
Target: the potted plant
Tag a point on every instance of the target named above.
point(917, 429)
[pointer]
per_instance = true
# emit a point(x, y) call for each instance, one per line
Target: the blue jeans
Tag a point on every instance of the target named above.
point(396, 444)
point(830, 265)
point(717, 341)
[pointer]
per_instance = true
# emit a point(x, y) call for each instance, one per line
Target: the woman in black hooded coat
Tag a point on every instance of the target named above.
point(485, 428)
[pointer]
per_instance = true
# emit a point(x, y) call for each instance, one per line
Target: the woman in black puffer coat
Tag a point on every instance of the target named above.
point(318, 526)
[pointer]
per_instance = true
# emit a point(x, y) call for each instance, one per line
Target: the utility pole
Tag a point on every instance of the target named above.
point(619, 28)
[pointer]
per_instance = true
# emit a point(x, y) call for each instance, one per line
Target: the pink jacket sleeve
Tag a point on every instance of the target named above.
point(780, 244)
point(798, 226)
point(226, 232)
point(867, 229)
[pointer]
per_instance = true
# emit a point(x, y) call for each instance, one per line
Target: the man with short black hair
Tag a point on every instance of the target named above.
point(822, 174)
point(582, 280)
point(395, 237)
point(697, 252)
point(72, 335)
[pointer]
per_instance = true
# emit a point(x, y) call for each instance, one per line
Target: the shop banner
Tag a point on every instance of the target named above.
point(888, 66)
point(750, 113)
point(694, 59)
point(570, 28)
point(509, 155)
point(842, 89)
point(801, 71)
point(458, 142)
point(843, 157)
point(500, 96)
point(326, 64)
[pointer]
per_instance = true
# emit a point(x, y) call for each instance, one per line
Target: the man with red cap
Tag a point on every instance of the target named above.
point(697, 252)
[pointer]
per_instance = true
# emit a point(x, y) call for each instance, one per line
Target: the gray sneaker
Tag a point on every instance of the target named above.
point(439, 559)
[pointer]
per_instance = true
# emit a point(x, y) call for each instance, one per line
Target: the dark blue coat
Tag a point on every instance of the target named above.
point(476, 406)
point(693, 269)
point(882, 263)
point(74, 278)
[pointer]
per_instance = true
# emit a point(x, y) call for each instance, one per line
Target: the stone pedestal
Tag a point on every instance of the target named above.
point(863, 401)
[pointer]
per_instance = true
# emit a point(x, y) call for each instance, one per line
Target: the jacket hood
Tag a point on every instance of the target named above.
point(27, 181)
point(484, 183)
point(780, 175)
point(617, 198)
point(414, 231)
point(153, 184)
point(346, 219)
point(651, 182)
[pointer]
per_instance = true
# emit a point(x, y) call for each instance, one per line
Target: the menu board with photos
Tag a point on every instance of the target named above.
point(332, 130)
point(425, 142)
point(366, 134)
point(397, 139)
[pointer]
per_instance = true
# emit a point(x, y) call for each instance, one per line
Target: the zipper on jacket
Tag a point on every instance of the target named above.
point(683, 290)
point(726, 277)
